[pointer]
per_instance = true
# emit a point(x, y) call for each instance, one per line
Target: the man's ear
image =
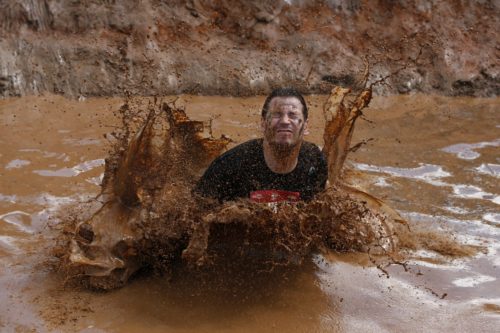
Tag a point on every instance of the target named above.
point(262, 124)
point(306, 127)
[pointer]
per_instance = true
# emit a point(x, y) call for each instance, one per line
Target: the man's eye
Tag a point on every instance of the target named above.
point(278, 115)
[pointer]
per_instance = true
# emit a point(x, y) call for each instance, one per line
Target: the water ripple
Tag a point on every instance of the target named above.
point(428, 172)
point(489, 169)
point(16, 164)
point(467, 151)
point(432, 174)
point(473, 281)
point(15, 219)
point(73, 171)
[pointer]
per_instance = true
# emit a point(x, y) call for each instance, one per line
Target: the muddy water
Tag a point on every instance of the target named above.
point(435, 159)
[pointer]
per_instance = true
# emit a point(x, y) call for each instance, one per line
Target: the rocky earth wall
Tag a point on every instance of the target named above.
point(237, 47)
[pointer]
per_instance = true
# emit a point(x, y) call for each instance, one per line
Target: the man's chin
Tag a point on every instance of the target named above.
point(282, 147)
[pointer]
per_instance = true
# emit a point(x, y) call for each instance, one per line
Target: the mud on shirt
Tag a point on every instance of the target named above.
point(243, 170)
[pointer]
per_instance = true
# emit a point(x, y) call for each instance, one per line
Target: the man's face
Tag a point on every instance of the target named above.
point(284, 125)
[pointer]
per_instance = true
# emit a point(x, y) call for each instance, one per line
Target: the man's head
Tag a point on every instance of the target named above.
point(284, 119)
point(284, 92)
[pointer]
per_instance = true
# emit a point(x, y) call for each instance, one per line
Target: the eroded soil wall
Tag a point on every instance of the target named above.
point(149, 47)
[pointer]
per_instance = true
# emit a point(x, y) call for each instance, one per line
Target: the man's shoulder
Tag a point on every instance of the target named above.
point(311, 156)
point(244, 155)
point(244, 150)
point(309, 148)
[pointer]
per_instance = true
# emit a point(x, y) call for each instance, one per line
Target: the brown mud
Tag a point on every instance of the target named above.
point(52, 156)
point(235, 48)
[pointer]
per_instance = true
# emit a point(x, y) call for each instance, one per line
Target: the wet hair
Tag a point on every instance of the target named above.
point(285, 92)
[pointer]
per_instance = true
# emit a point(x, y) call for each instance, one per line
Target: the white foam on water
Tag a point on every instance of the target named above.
point(456, 210)
point(97, 180)
point(467, 151)
point(73, 171)
point(474, 192)
point(7, 243)
point(8, 198)
point(468, 191)
point(16, 164)
point(489, 169)
point(496, 260)
point(382, 182)
point(30, 150)
point(432, 174)
point(14, 218)
point(64, 172)
point(484, 242)
point(46, 154)
point(473, 226)
point(455, 265)
point(481, 241)
point(82, 142)
point(473, 281)
point(427, 254)
point(481, 301)
point(427, 172)
point(494, 249)
point(492, 217)
point(46, 199)
point(52, 205)
point(422, 217)
point(30, 223)
point(369, 282)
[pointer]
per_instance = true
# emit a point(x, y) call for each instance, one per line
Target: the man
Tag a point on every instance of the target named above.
point(279, 167)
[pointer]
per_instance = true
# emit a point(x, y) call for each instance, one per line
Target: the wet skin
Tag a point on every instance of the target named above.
point(284, 125)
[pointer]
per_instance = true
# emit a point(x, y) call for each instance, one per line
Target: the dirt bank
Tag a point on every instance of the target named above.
point(107, 47)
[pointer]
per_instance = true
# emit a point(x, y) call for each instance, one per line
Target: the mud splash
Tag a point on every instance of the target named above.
point(148, 216)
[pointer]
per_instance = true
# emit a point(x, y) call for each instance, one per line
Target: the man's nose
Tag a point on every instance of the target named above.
point(285, 119)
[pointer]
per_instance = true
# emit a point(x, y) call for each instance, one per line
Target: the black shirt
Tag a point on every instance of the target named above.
point(243, 169)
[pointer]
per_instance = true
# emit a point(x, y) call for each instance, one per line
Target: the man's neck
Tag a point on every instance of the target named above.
point(281, 161)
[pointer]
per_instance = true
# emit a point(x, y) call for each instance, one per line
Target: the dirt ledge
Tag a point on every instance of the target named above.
point(222, 47)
